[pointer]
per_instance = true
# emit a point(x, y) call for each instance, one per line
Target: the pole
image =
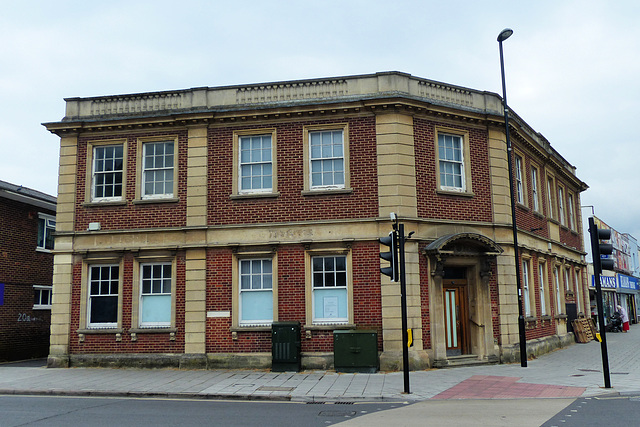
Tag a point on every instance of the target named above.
point(403, 304)
point(521, 329)
point(593, 231)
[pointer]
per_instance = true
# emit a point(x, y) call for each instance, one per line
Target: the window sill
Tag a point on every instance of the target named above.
point(154, 201)
point(561, 316)
point(545, 317)
point(530, 319)
point(327, 191)
point(104, 204)
point(250, 328)
point(44, 250)
point(100, 331)
point(455, 193)
point(154, 330)
point(254, 196)
point(329, 327)
point(538, 214)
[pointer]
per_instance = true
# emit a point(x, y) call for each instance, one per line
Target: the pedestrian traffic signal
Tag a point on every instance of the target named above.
point(392, 256)
point(600, 248)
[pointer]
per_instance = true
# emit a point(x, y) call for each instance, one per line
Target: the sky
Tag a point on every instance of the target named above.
point(572, 67)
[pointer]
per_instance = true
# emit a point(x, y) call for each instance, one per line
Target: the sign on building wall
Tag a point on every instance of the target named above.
point(1, 293)
point(606, 282)
point(628, 282)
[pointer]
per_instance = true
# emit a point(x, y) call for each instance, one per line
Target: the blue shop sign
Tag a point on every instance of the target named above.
point(627, 282)
point(606, 282)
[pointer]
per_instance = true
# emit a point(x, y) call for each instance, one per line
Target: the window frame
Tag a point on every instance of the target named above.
point(561, 209)
point(91, 154)
point(519, 179)
point(526, 279)
point(253, 254)
point(86, 317)
point(545, 309)
point(237, 191)
point(44, 224)
point(307, 132)
point(571, 211)
point(535, 193)
point(313, 322)
point(142, 144)
point(578, 289)
point(551, 208)
point(39, 290)
point(560, 309)
point(466, 187)
point(137, 304)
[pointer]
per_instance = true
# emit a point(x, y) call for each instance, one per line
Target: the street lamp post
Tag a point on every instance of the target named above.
point(505, 34)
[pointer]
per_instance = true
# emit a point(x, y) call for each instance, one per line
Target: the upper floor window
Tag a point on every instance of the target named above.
point(256, 166)
point(158, 169)
point(46, 228)
point(534, 189)
point(108, 168)
point(550, 199)
point(519, 183)
point(451, 162)
point(42, 297)
point(571, 212)
point(561, 212)
point(327, 159)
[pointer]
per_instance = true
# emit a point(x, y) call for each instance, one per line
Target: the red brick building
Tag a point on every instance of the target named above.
point(189, 221)
point(27, 224)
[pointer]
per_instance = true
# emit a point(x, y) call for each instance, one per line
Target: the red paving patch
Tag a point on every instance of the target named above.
point(492, 387)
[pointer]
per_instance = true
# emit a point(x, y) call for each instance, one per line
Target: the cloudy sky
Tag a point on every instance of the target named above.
point(572, 67)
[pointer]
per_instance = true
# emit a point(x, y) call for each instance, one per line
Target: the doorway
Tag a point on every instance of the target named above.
point(456, 311)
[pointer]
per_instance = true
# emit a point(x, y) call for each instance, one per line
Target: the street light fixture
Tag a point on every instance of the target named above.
point(505, 34)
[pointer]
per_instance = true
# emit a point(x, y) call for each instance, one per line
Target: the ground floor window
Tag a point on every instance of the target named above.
point(330, 296)
point(256, 291)
point(155, 295)
point(103, 296)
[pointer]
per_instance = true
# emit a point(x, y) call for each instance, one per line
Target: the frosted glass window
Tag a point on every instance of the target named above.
point(256, 291)
point(155, 295)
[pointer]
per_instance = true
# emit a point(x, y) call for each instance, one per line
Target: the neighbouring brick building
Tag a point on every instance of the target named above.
point(27, 224)
point(190, 220)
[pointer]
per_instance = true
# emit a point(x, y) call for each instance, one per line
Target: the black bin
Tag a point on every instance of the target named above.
point(285, 346)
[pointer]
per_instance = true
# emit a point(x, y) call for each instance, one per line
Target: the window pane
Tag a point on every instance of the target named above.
point(155, 309)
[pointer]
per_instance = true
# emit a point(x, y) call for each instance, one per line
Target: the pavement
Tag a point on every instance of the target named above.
point(569, 373)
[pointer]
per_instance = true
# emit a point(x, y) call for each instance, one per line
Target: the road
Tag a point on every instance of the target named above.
point(52, 411)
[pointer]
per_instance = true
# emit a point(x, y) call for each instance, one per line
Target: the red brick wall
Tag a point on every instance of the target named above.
point(445, 206)
point(132, 215)
point(291, 299)
point(146, 342)
point(24, 332)
point(291, 205)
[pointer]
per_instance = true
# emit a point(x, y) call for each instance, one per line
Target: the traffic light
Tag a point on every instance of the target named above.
point(392, 256)
point(599, 248)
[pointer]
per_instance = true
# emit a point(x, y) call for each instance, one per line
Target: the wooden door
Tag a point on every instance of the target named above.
point(456, 317)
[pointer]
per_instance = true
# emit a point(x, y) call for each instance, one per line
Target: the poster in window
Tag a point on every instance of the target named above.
point(330, 307)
